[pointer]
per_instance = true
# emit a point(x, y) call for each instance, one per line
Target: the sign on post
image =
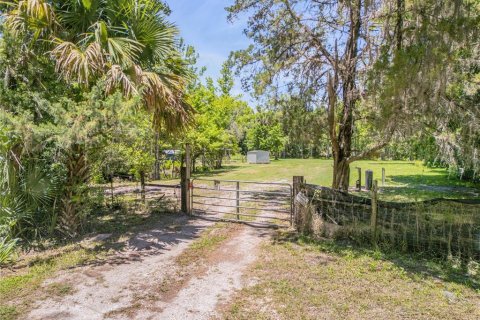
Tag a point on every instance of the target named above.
point(301, 199)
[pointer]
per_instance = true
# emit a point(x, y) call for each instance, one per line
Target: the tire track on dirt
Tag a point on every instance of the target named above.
point(103, 288)
point(199, 298)
point(147, 282)
point(202, 295)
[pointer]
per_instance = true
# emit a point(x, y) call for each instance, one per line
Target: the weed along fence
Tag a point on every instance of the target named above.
point(438, 227)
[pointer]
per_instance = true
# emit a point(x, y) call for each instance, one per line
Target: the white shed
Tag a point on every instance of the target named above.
point(258, 156)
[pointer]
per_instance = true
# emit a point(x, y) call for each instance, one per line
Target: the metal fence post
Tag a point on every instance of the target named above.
point(238, 200)
point(373, 218)
point(359, 170)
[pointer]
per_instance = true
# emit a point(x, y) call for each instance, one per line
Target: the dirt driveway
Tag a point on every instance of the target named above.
point(145, 281)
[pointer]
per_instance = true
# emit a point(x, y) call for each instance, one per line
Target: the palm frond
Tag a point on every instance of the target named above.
point(144, 21)
point(123, 51)
point(75, 15)
point(39, 9)
point(36, 186)
point(34, 16)
point(157, 36)
point(7, 249)
point(16, 22)
point(116, 78)
point(76, 64)
point(23, 192)
point(166, 102)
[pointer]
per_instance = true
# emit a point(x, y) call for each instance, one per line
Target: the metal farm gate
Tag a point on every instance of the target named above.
point(261, 203)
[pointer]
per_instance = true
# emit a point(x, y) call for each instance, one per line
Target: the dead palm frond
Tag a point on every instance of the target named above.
point(31, 15)
point(116, 78)
point(165, 100)
point(75, 64)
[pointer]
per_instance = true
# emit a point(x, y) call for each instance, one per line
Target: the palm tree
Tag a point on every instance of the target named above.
point(24, 192)
point(125, 44)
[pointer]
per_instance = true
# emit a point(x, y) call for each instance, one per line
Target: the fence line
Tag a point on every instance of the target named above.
point(437, 227)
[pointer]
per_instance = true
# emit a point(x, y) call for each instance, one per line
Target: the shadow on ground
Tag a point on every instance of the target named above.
point(413, 192)
point(424, 192)
point(156, 240)
point(439, 178)
point(415, 266)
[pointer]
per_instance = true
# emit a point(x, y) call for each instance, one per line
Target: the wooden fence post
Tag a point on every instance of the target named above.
point(298, 181)
point(373, 218)
point(142, 185)
point(183, 192)
point(383, 177)
point(186, 182)
point(188, 166)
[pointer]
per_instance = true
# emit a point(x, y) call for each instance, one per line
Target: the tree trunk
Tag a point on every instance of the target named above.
point(399, 24)
point(111, 188)
point(204, 159)
point(218, 163)
point(156, 171)
point(194, 162)
point(78, 173)
point(341, 174)
point(342, 143)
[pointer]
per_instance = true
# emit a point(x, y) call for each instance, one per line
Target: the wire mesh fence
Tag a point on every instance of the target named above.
point(437, 227)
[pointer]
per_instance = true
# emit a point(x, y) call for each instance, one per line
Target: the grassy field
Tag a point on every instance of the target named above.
point(298, 278)
point(405, 180)
point(331, 279)
point(339, 280)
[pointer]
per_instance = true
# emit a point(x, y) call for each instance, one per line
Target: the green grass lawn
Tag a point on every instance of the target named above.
point(405, 180)
point(300, 278)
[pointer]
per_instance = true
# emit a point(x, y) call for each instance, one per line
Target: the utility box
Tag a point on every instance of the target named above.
point(258, 156)
point(368, 179)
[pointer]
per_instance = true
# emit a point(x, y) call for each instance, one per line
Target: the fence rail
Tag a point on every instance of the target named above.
point(208, 195)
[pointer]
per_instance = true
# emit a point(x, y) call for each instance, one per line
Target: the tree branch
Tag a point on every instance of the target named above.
point(306, 29)
point(332, 101)
point(375, 148)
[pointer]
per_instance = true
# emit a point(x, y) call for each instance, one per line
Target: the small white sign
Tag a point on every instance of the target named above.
point(301, 199)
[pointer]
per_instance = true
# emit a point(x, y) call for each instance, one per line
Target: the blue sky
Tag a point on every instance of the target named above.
point(203, 24)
